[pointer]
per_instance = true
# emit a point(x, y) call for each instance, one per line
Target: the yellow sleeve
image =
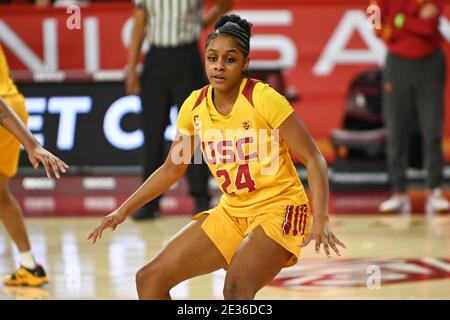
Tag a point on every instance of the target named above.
point(273, 107)
point(7, 86)
point(185, 122)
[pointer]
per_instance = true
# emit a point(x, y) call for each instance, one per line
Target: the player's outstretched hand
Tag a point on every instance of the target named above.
point(112, 220)
point(51, 163)
point(322, 234)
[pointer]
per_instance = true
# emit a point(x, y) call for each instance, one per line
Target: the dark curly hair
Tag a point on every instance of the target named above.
point(233, 26)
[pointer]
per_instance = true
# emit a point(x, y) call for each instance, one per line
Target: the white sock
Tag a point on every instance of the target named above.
point(26, 260)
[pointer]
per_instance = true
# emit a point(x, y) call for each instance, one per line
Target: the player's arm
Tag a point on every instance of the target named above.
point(134, 52)
point(305, 149)
point(302, 145)
point(219, 8)
point(164, 177)
point(36, 154)
point(170, 172)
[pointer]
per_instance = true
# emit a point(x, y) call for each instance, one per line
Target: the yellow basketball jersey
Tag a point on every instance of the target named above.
point(7, 86)
point(246, 155)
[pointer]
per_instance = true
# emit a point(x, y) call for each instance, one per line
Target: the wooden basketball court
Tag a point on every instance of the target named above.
point(388, 257)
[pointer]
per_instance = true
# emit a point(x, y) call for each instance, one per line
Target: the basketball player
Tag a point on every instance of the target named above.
point(263, 218)
point(13, 131)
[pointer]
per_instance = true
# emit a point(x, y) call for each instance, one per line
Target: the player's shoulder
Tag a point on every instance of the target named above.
point(254, 85)
point(263, 92)
point(196, 97)
point(259, 87)
point(252, 90)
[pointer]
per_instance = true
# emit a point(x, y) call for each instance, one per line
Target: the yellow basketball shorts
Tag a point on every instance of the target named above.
point(287, 227)
point(9, 145)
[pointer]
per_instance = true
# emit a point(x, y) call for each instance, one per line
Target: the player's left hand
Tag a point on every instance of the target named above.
point(51, 163)
point(111, 221)
point(322, 234)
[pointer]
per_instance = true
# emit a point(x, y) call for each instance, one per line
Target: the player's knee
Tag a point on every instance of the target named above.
point(143, 277)
point(149, 277)
point(237, 289)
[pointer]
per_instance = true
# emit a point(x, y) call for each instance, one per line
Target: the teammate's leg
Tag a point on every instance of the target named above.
point(29, 273)
point(11, 216)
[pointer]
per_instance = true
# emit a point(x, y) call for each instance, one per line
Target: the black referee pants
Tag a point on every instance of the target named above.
point(169, 76)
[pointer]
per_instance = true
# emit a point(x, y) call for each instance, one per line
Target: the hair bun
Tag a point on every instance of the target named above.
point(244, 24)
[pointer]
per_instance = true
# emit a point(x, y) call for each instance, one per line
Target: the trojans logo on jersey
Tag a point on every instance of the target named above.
point(246, 124)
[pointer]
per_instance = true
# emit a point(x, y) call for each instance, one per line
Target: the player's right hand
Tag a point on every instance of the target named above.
point(112, 220)
point(51, 163)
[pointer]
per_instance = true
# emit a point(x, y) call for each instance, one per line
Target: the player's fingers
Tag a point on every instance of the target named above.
point(46, 165)
point(94, 241)
point(326, 248)
point(339, 242)
point(66, 166)
point(100, 230)
point(54, 167)
point(34, 162)
point(92, 236)
point(60, 165)
point(335, 248)
point(306, 241)
point(92, 233)
point(317, 246)
point(114, 225)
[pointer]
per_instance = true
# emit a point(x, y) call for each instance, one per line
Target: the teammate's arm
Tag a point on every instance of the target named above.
point(36, 154)
point(161, 180)
point(305, 149)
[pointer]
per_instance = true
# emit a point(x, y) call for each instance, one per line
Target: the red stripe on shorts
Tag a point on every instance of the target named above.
point(295, 232)
point(287, 220)
point(304, 209)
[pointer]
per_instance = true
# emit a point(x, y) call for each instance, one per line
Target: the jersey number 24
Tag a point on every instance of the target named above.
point(243, 179)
